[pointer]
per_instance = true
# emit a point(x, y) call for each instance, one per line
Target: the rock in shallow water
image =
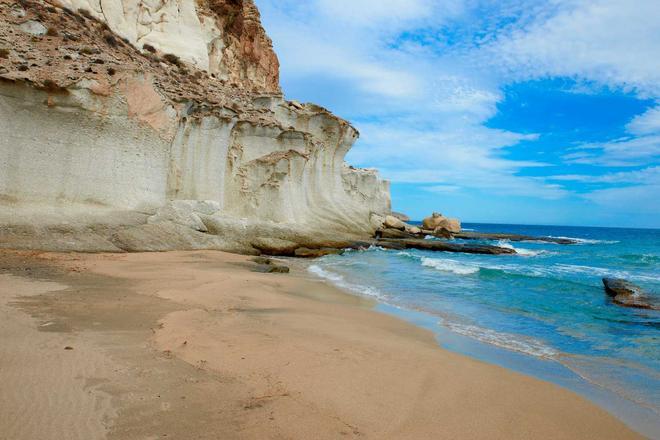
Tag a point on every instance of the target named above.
point(443, 246)
point(439, 221)
point(627, 294)
point(511, 237)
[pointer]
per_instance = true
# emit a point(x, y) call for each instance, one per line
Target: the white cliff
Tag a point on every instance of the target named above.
point(100, 137)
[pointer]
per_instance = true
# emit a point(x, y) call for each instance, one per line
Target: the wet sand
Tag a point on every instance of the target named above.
point(194, 345)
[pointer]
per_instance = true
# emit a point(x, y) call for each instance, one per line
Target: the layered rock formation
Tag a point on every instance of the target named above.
point(113, 110)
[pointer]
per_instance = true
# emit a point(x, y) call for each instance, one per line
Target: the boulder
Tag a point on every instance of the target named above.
point(206, 207)
point(394, 223)
point(33, 27)
point(452, 225)
point(413, 230)
point(180, 212)
point(262, 260)
point(393, 233)
point(438, 221)
point(627, 294)
point(400, 216)
point(271, 268)
point(376, 221)
point(316, 253)
point(441, 232)
point(274, 246)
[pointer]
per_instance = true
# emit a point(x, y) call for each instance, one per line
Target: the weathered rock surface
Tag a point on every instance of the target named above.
point(393, 233)
point(401, 216)
point(438, 222)
point(139, 104)
point(511, 237)
point(222, 37)
point(394, 223)
point(303, 252)
point(442, 246)
point(627, 294)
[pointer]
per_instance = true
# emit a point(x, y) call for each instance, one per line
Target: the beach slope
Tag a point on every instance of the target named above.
point(196, 345)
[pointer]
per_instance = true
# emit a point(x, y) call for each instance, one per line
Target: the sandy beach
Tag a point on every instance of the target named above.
point(195, 345)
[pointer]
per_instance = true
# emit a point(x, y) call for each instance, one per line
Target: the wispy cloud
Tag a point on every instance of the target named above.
point(646, 124)
point(421, 79)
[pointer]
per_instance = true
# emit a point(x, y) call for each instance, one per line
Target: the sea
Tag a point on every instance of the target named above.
point(542, 311)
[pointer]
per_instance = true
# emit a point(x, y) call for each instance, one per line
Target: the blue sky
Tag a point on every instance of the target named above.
point(509, 111)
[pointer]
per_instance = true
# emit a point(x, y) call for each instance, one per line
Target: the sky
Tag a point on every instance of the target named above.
point(501, 111)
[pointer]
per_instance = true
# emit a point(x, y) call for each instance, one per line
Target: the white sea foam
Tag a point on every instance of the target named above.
point(447, 265)
point(600, 272)
point(586, 240)
point(339, 281)
point(520, 251)
point(508, 341)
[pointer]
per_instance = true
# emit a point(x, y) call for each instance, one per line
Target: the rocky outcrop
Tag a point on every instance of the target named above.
point(442, 246)
point(221, 37)
point(438, 223)
point(627, 294)
point(511, 237)
point(394, 223)
point(122, 117)
point(403, 217)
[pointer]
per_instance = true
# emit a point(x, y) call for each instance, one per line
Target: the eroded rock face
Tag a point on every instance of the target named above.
point(92, 121)
point(221, 37)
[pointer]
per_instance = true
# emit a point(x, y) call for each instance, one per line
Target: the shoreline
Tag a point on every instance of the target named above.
point(551, 369)
point(290, 357)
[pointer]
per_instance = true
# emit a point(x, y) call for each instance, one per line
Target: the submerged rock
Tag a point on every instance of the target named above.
point(627, 294)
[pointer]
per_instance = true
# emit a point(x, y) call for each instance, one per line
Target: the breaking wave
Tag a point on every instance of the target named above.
point(520, 251)
point(508, 341)
point(586, 240)
point(339, 281)
point(447, 265)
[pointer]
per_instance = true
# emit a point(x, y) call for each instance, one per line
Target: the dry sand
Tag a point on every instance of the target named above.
point(194, 345)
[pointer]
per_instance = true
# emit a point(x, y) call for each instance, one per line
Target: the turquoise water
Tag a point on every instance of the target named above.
point(546, 303)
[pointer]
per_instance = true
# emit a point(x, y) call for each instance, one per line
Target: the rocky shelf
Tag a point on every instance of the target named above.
point(511, 237)
point(442, 246)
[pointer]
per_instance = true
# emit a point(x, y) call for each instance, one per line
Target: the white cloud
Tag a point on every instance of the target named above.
point(421, 103)
point(624, 152)
point(442, 189)
point(649, 175)
point(635, 200)
point(613, 42)
point(375, 12)
point(646, 123)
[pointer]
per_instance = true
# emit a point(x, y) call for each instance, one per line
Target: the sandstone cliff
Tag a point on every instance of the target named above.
point(111, 111)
